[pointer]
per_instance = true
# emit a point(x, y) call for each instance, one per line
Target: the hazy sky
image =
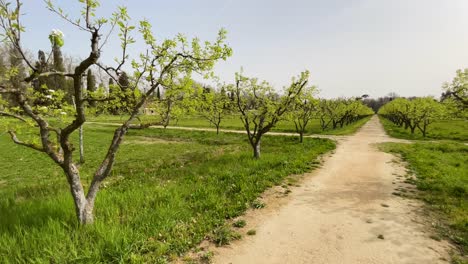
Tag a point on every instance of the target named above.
point(351, 47)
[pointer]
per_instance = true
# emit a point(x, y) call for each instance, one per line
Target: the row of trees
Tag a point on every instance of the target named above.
point(258, 105)
point(417, 113)
point(38, 92)
point(456, 92)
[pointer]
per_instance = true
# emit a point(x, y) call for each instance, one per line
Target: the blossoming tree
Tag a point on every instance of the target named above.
point(156, 66)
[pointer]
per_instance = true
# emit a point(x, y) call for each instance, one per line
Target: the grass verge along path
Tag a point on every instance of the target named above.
point(442, 129)
point(441, 171)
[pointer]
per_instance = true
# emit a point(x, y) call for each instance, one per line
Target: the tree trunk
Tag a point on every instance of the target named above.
point(301, 136)
point(256, 149)
point(82, 159)
point(87, 214)
point(84, 204)
point(83, 209)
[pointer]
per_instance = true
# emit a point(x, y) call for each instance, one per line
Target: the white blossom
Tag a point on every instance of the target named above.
point(48, 96)
point(57, 32)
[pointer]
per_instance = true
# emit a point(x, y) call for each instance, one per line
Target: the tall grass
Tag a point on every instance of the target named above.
point(168, 191)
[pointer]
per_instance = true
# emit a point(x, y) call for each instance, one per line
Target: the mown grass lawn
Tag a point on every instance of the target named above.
point(442, 129)
point(442, 175)
point(168, 190)
point(233, 122)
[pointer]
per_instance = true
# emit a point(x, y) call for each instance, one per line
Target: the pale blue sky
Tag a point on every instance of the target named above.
point(351, 47)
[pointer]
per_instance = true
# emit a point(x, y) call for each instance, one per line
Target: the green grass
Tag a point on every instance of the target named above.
point(168, 191)
point(441, 171)
point(443, 129)
point(233, 122)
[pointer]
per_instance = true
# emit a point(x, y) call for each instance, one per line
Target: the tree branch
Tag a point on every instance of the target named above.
point(65, 17)
point(35, 75)
point(19, 142)
point(13, 115)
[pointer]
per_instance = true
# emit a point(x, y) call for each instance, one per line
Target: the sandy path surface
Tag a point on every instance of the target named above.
point(339, 212)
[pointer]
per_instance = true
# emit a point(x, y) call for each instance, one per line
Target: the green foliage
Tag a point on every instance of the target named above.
point(261, 108)
point(411, 114)
point(341, 112)
point(123, 95)
point(224, 235)
point(257, 204)
point(178, 100)
point(214, 106)
point(161, 64)
point(303, 109)
point(442, 175)
point(233, 122)
point(56, 38)
point(449, 129)
point(168, 191)
point(239, 223)
point(458, 90)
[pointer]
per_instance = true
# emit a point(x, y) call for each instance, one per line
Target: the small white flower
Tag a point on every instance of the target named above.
point(51, 91)
point(48, 96)
point(57, 32)
point(63, 113)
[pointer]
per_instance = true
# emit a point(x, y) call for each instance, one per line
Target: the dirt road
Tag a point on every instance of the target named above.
point(343, 213)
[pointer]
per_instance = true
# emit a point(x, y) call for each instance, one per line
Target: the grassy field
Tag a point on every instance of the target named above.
point(443, 129)
point(234, 123)
point(169, 190)
point(441, 171)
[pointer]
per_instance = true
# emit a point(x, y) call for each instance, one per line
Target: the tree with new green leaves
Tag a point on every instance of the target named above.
point(178, 99)
point(260, 107)
point(214, 106)
point(158, 65)
point(427, 110)
point(341, 112)
point(304, 109)
point(411, 114)
point(458, 89)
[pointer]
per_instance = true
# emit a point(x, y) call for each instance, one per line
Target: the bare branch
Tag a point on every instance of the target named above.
point(19, 142)
point(13, 29)
point(108, 35)
point(12, 115)
point(66, 18)
point(36, 75)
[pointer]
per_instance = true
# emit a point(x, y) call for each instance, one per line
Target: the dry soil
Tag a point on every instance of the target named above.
point(344, 212)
